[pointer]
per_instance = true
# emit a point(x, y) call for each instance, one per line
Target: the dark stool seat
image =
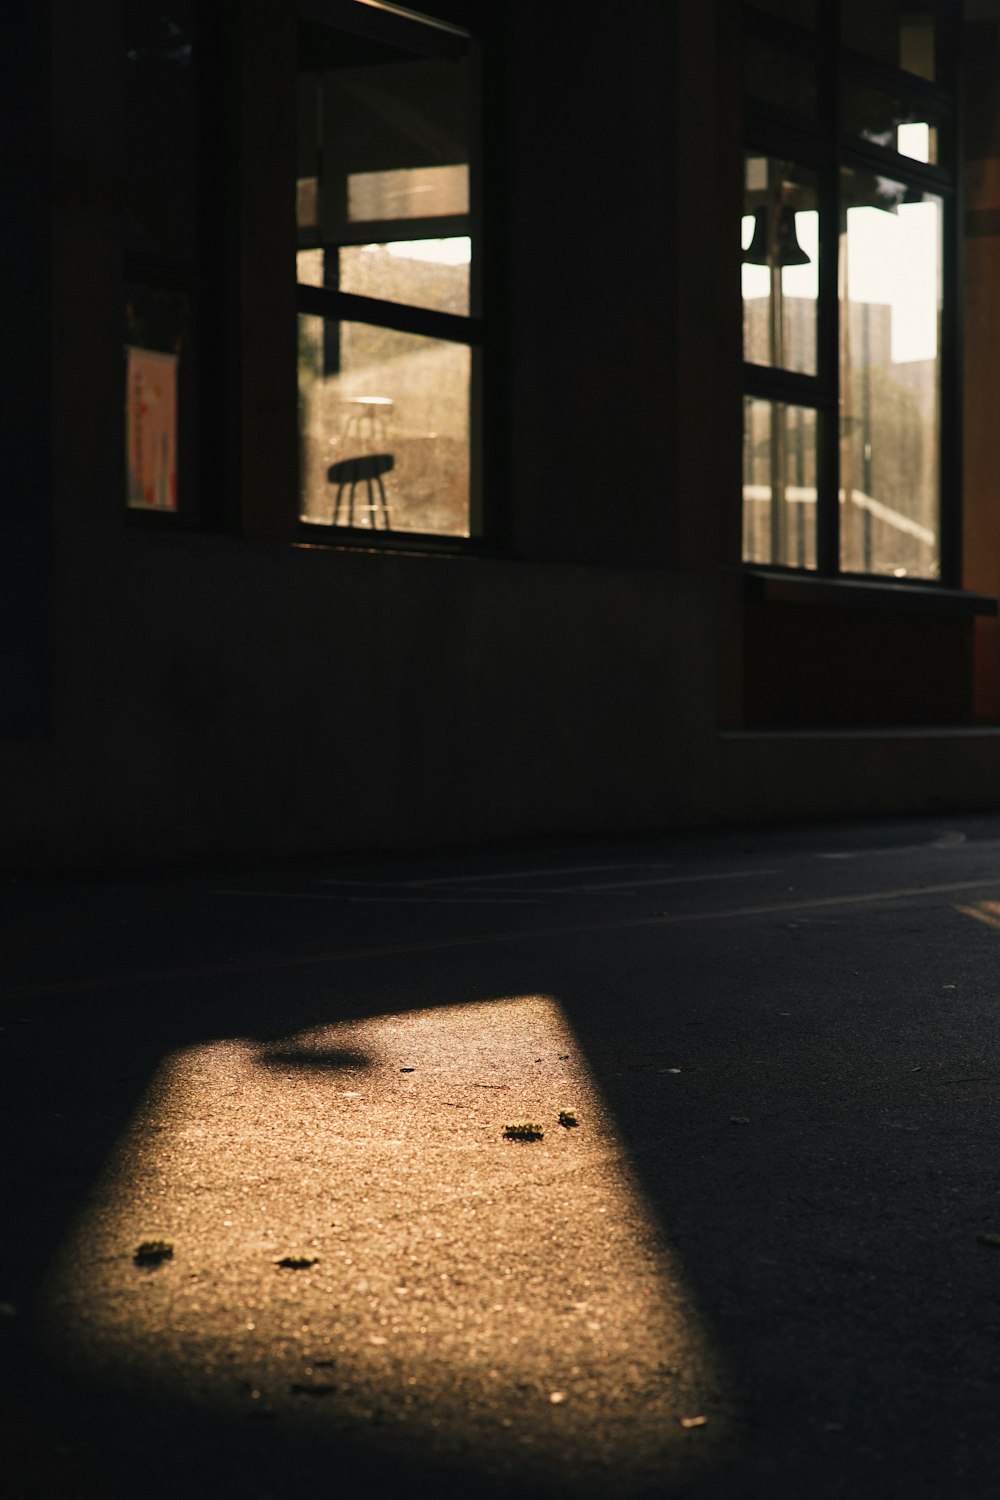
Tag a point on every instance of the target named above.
point(366, 469)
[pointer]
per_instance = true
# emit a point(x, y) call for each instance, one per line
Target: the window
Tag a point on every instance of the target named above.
point(849, 320)
point(388, 274)
point(173, 210)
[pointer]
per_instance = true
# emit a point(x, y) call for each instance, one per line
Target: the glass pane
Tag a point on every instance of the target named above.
point(914, 130)
point(384, 429)
point(419, 273)
point(899, 32)
point(160, 144)
point(160, 399)
point(383, 138)
point(890, 379)
point(779, 78)
point(799, 12)
point(779, 483)
point(411, 193)
point(780, 239)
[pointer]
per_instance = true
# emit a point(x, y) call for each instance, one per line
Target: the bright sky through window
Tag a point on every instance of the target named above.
point(455, 251)
point(894, 261)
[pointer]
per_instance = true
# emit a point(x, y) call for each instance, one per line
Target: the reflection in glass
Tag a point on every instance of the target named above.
point(914, 130)
point(890, 379)
point(779, 483)
point(384, 429)
point(780, 240)
point(382, 137)
point(416, 273)
point(160, 397)
point(898, 32)
point(779, 78)
point(408, 193)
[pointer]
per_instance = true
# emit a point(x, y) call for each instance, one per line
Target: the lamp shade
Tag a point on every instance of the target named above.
point(778, 248)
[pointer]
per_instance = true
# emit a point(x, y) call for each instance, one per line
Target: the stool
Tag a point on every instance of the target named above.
point(368, 411)
point(366, 469)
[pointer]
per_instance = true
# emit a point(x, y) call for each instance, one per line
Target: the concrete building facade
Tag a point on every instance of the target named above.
point(226, 679)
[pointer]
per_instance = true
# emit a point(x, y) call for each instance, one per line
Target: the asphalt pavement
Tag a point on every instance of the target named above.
point(629, 1168)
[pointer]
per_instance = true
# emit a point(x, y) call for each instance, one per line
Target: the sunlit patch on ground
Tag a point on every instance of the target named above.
point(356, 1248)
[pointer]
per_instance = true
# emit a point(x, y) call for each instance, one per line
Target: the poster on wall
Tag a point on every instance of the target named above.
point(151, 428)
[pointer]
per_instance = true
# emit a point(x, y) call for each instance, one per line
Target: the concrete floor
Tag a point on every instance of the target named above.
point(764, 1261)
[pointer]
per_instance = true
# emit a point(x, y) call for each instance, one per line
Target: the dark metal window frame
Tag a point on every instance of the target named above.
point(422, 35)
point(824, 147)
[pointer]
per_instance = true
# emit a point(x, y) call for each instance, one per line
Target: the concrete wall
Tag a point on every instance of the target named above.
point(230, 696)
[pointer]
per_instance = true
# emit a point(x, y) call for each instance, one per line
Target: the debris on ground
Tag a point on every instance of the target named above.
point(528, 1131)
point(690, 1422)
point(153, 1252)
point(568, 1118)
point(296, 1262)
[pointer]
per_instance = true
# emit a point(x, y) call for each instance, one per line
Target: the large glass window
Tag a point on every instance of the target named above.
point(388, 278)
point(848, 337)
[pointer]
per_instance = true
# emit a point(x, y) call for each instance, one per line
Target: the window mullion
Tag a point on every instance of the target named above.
point(426, 322)
point(828, 363)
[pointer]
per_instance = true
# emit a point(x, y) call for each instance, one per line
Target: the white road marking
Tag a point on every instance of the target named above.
point(629, 885)
point(643, 864)
point(949, 840)
point(474, 883)
point(489, 900)
point(430, 945)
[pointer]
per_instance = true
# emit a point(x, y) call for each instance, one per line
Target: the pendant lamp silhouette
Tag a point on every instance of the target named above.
point(775, 242)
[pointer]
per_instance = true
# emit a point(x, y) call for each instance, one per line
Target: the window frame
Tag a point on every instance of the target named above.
point(824, 147)
point(421, 34)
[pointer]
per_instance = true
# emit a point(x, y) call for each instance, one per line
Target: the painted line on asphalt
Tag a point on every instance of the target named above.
point(632, 885)
point(474, 883)
point(475, 940)
point(642, 864)
point(947, 841)
point(489, 900)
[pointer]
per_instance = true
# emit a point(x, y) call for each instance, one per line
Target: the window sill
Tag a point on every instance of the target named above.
point(420, 544)
point(880, 594)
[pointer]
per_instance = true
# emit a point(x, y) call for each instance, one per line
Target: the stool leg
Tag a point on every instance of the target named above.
point(386, 523)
